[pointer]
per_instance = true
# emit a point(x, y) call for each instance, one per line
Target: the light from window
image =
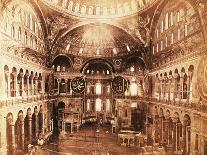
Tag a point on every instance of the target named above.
point(134, 105)
point(98, 104)
point(133, 89)
point(98, 88)
point(88, 105)
point(166, 21)
point(108, 105)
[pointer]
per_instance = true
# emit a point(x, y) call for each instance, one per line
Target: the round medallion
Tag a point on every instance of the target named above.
point(78, 85)
point(119, 85)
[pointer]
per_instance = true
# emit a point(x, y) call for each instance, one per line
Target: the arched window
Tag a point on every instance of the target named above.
point(166, 21)
point(108, 105)
point(19, 33)
point(98, 104)
point(77, 7)
point(171, 19)
point(98, 88)
point(19, 16)
point(133, 89)
point(105, 10)
point(119, 9)
point(70, 6)
point(98, 10)
point(112, 11)
point(88, 105)
point(162, 26)
point(140, 2)
point(58, 68)
point(126, 8)
point(31, 22)
point(134, 5)
point(178, 16)
point(90, 10)
point(83, 9)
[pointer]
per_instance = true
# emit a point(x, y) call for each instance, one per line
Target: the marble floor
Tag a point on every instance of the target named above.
point(85, 142)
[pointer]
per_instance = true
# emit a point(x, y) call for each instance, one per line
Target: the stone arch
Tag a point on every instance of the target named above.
point(63, 60)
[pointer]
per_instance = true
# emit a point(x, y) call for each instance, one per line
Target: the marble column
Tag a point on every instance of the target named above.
point(66, 86)
point(181, 91)
point(8, 85)
point(16, 92)
point(13, 146)
point(175, 93)
point(36, 125)
point(189, 86)
point(22, 133)
point(27, 86)
point(30, 128)
point(32, 85)
point(169, 88)
point(22, 83)
point(35, 86)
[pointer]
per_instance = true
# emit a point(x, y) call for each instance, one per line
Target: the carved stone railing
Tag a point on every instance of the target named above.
point(22, 100)
point(188, 105)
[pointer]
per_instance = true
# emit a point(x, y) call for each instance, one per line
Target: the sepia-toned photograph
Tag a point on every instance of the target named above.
point(103, 77)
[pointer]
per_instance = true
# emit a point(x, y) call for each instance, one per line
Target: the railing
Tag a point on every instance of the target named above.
point(190, 105)
point(21, 100)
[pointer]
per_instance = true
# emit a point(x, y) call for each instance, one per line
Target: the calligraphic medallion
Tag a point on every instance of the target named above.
point(78, 84)
point(119, 85)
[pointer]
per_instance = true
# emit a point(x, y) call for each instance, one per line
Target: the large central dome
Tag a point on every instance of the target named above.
point(100, 8)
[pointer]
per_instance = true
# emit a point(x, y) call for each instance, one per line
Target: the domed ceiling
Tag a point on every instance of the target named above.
point(97, 40)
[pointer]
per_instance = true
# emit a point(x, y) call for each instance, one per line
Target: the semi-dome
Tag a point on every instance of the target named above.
point(97, 40)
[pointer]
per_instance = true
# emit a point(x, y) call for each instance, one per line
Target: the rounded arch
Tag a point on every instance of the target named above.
point(63, 59)
point(97, 60)
point(135, 59)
